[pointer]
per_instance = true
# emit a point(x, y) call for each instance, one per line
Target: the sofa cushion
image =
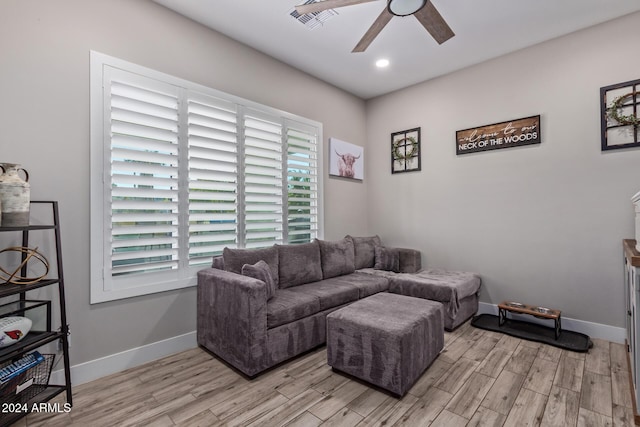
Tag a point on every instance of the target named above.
point(364, 249)
point(410, 260)
point(387, 259)
point(261, 271)
point(367, 284)
point(234, 259)
point(299, 264)
point(338, 258)
point(287, 306)
point(330, 292)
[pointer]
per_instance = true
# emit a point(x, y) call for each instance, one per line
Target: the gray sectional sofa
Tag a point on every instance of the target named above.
point(259, 307)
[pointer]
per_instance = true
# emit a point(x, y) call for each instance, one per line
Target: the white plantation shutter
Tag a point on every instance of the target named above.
point(263, 202)
point(143, 180)
point(213, 177)
point(180, 171)
point(302, 181)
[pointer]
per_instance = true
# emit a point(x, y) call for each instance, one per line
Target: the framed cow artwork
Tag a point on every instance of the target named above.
point(346, 160)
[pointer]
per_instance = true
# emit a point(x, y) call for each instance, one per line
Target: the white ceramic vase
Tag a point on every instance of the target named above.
point(15, 195)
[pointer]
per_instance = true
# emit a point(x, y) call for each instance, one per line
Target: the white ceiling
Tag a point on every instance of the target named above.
point(484, 29)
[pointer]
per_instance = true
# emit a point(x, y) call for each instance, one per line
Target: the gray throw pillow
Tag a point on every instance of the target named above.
point(261, 271)
point(218, 262)
point(338, 258)
point(364, 248)
point(235, 259)
point(387, 259)
point(299, 264)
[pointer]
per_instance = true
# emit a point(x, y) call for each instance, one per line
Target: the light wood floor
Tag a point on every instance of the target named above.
point(481, 379)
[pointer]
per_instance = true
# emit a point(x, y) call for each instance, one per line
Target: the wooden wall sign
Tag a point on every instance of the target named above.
point(513, 133)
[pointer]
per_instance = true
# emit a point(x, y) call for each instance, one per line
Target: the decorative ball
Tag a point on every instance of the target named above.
point(12, 275)
point(13, 329)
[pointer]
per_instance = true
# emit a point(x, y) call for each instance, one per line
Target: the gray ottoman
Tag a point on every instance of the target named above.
point(386, 339)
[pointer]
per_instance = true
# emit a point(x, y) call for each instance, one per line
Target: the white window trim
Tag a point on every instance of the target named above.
point(100, 199)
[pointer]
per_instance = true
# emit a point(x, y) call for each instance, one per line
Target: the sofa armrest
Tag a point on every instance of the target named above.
point(232, 318)
point(410, 260)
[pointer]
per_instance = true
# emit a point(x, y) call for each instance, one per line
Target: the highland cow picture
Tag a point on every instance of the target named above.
point(346, 160)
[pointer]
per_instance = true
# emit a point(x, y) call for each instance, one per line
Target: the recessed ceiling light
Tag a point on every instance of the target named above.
point(381, 63)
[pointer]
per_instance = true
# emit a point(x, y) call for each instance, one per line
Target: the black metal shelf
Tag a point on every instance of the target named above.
point(19, 307)
point(28, 228)
point(35, 339)
point(32, 341)
point(32, 227)
point(8, 289)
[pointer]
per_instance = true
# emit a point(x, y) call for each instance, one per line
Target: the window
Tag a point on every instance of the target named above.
point(180, 171)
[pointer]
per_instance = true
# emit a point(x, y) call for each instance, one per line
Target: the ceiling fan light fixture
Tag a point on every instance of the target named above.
point(405, 7)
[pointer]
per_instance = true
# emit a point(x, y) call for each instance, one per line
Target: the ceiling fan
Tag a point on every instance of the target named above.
point(424, 11)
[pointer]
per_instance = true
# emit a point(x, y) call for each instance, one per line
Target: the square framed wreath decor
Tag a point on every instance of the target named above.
point(620, 115)
point(405, 151)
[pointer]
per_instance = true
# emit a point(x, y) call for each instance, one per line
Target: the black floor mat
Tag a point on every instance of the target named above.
point(569, 340)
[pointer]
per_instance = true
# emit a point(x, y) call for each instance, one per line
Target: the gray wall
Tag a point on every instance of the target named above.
point(542, 224)
point(44, 125)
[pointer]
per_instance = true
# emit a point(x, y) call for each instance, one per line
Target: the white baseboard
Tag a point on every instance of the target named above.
point(94, 369)
point(594, 330)
point(118, 362)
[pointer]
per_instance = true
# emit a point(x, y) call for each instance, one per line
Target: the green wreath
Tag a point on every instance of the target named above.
point(613, 112)
point(408, 154)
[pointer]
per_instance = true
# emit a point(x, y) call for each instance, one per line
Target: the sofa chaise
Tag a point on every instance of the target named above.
point(259, 307)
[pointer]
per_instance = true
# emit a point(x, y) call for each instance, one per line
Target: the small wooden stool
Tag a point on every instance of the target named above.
point(540, 312)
